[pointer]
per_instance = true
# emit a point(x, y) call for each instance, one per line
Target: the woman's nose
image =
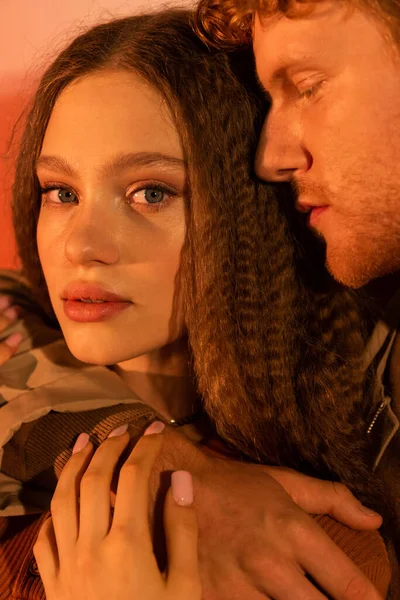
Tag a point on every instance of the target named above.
point(92, 237)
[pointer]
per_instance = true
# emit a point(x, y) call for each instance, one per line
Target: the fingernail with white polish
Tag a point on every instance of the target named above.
point(80, 443)
point(156, 427)
point(5, 302)
point(13, 340)
point(118, 431)
point(182, 488)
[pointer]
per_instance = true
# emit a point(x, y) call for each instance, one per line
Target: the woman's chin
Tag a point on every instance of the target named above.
point(96, 352)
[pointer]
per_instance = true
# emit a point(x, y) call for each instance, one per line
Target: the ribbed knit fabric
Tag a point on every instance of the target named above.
point(19, 575)
point(38, 451)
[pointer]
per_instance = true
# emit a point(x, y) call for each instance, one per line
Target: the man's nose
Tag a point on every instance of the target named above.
point(280, 153)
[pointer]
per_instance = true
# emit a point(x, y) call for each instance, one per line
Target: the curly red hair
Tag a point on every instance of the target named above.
point(227, 24)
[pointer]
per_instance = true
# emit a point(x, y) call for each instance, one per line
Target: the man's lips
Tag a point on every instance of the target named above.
point(306, 207)
point(314, 211)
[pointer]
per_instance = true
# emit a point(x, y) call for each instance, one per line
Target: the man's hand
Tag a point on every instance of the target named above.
point(319, 497)
point(255, 541)
point(8, 314)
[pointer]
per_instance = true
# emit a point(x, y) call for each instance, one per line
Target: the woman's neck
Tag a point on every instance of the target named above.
point(163, 379)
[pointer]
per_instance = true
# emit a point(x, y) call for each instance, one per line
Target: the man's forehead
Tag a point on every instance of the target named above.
point(305, 9)
point(280, 41)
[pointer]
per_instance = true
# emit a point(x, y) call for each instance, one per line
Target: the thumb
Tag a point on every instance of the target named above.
point(181, 532)
point(316, 496)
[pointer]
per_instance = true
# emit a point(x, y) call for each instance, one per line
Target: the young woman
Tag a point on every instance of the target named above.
point(146, 237)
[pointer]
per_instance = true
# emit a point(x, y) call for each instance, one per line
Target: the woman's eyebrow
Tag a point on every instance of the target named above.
point(118, 163)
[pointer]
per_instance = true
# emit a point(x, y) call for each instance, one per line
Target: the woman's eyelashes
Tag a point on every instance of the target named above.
point(63, 195)
point(145, 197)
point(151, 196)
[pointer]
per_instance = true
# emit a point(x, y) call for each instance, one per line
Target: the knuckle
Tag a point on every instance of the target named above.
point(57, 503)
point(121, 534)
point(296, 532)
point(39, 547)
point(341, 490)
point(294, 524)
point(86, 561)
point(189, 586)
point(277, 567)
point(131, 469)
point(91, 478)
point(271, 560)
point(301, 531)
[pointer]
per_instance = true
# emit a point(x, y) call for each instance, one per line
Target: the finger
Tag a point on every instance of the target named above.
point(286, 582)
point(131, 513)
point(181, 532)
point(8, 316)
point(336, 574)
point(9, 347)
point(65, 504)
point(46, 553)
point(326, 497)
point(345, 508)
point(95, 500)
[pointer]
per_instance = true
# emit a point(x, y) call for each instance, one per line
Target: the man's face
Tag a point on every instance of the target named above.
point(334, 132)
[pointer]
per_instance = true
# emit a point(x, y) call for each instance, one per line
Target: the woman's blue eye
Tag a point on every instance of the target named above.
point(154, 196)
point(65, 195)
point(58, 195)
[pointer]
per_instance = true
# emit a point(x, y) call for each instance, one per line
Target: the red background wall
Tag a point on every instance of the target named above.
point(31, 33)
point(12, 103)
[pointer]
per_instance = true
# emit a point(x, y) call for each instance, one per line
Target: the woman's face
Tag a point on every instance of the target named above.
point(112, 217)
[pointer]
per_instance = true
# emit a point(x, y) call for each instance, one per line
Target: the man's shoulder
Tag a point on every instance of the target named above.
point(382, 361)
point(394, 374)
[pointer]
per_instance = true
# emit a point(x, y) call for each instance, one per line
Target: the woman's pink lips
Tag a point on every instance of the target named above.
point(86, 312)
point(315, 214)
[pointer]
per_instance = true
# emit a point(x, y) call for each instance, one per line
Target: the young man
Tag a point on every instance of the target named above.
point(331, 70)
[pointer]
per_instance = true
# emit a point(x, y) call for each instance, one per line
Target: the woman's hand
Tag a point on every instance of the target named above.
point(85, 553)
point(8, 314)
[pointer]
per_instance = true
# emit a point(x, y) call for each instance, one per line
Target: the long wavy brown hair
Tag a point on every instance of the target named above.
point(275, 342)
point(227, 24)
